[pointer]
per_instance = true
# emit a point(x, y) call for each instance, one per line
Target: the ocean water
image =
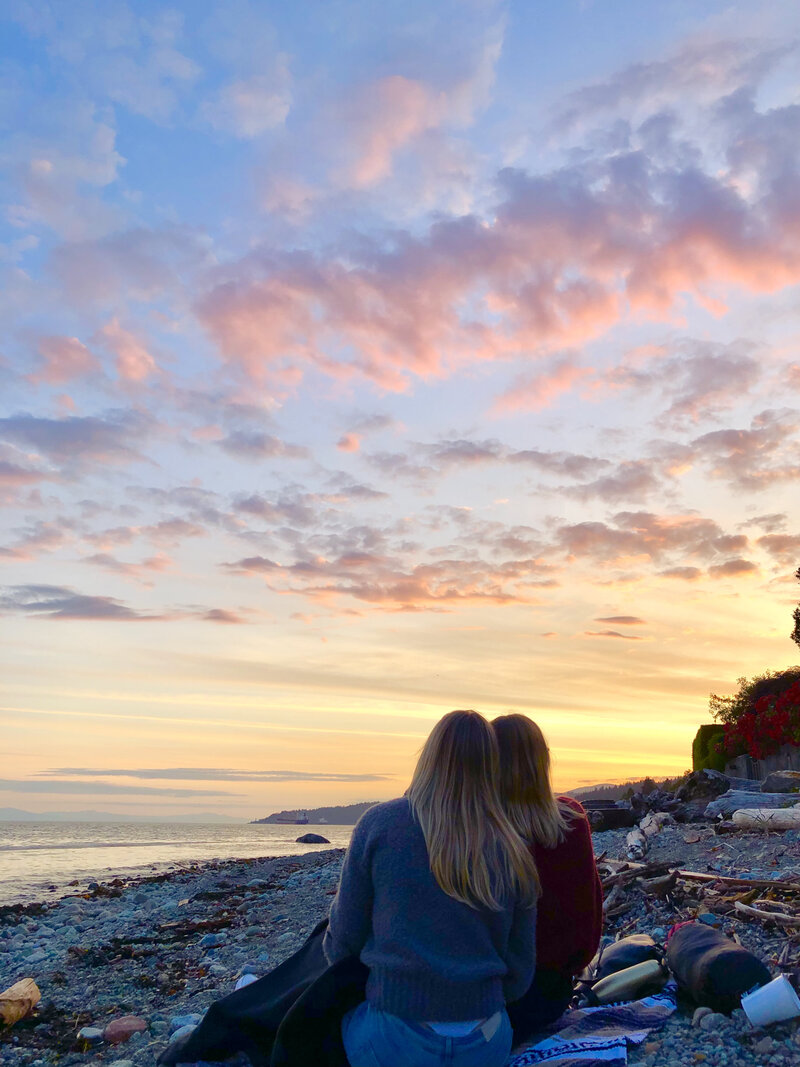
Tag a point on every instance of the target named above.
point(36, 856)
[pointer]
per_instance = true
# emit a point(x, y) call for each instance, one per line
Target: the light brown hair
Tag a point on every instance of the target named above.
point(474, 852)
point(524, 782)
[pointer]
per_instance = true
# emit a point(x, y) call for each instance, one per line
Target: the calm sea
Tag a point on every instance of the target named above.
point(37, 855)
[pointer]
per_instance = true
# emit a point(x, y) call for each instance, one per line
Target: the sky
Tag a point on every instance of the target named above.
point(361, 361)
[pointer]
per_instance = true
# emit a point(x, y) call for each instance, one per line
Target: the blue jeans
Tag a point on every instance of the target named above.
point(374, 1038)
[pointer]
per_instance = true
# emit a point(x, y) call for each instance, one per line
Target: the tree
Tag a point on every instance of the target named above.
point(795, 634)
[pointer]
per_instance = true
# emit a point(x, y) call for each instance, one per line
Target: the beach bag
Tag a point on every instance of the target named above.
point(712, 969)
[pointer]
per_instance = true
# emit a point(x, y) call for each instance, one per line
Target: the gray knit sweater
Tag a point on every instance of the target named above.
point(430, 957)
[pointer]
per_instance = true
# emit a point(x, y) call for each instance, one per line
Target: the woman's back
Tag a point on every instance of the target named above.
point(430, 956)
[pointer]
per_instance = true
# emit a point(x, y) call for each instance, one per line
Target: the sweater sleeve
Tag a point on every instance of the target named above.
point(588, 898)
point(350, 919)
point(521, 955)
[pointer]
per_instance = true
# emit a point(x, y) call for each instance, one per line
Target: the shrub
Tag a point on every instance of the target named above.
point(770, 720)
point(704, 752)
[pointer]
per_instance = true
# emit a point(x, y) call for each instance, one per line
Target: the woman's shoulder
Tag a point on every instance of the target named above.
point(572, 803)
point(386, 814)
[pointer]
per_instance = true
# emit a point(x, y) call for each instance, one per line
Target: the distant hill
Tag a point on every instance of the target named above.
point(346, 815)
point(615, 791)
point(18, 815)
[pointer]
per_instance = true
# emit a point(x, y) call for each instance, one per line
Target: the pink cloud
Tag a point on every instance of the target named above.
point(139, 571)
point(66, 358)
point(755, 458)
point(565, 256)
point(783, 547)
point(534, 392)
point(134, 363)
point(696, 377)
point(382, 117)
point(686, 574)
point(222, 615)
point(14, 475)
point(349, 442)
point(645, 536)
point(733, 568)
point(385, 584)
point(612, 633)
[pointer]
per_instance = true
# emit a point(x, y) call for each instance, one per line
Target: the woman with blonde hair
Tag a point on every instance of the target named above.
point(570, 908)
point(438, 899)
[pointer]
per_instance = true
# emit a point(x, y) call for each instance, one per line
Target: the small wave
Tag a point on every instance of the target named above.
point(84, 844)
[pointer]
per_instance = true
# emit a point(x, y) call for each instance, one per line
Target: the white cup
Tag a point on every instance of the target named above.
point(771, 1003)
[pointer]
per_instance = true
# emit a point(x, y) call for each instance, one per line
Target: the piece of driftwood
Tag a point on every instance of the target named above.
point(659, 887)
point(766, 916)
point(636, 844)
point(655, 821)
point(18, 1001)
point(614, 898)
point(753, 883)
point(619, 910)
point(770, 905)
point(767, 819)
point(736, 799)
point(637, 870)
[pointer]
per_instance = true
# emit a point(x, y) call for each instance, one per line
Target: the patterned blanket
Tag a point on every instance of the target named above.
point(599, 1037)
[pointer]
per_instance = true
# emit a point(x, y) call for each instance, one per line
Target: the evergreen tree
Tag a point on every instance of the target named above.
point(795, 635)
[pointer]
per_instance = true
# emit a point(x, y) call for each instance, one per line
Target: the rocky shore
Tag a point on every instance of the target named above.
point(157, 949)
point(124, 966)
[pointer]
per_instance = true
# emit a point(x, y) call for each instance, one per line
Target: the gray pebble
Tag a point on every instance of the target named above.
point(714, 1021)
point(699, 1014)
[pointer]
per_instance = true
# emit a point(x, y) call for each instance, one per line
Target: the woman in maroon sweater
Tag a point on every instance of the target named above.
point(570, 909)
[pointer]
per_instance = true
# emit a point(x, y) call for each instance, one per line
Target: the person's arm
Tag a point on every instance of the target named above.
point(521, 954)
point(350, 919)
point(587, 898)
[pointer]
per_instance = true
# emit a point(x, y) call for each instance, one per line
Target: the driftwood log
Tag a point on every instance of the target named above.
point(767, 819)
point(747, 883)
point(766, 916)
point(636, 844)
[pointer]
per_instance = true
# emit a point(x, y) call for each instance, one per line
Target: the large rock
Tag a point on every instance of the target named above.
point(123, 1029)
point(781, 782)
point(312, 839)
point(736, 800)
point(692, 811)
point(700, 785)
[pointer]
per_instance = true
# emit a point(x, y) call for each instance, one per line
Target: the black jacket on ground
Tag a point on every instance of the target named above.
point(289, 1018)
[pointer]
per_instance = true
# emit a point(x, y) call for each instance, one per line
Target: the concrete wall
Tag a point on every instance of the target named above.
point(787, 758)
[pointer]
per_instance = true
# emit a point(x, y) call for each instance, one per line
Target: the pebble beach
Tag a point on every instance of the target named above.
point(125, 964)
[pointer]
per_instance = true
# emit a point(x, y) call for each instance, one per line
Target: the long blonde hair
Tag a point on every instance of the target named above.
point(474, 853)
point(524, 782)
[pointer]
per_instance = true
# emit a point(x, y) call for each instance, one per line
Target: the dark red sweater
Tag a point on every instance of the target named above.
point(569, 919)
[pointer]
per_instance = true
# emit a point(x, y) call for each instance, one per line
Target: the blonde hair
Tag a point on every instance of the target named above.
point(524, 782)
point(474, 853)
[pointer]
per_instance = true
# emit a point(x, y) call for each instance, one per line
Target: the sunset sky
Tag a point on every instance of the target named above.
point(364, 360)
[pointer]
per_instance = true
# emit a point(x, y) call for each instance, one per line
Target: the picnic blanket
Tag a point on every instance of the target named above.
point(599, 1037)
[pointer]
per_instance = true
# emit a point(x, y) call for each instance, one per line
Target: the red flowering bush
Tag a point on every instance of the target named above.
point(772, 720)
